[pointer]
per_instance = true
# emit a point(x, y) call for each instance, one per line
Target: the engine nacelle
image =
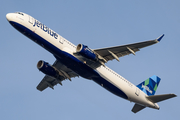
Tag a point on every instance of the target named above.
point(86, 52)
point(47, 69)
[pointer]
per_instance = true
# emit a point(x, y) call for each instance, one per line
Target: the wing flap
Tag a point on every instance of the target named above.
point(123, 50)
point(49, 81)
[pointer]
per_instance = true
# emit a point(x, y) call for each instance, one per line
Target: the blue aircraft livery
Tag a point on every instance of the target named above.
point(81, 61)
point(150, 85)
point(45, 28)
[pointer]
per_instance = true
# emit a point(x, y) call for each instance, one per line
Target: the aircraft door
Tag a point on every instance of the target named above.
point(61, 39)
point(31, 20)
point(137, 91)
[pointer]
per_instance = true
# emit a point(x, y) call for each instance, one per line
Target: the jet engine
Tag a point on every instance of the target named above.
point(86, 52)
point(47, 69)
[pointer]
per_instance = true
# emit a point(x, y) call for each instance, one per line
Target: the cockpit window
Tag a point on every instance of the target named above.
point(19, 13)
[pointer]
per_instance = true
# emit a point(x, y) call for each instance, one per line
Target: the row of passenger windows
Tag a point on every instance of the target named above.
point(105, 67)
point(130, 84)
point(70, 43)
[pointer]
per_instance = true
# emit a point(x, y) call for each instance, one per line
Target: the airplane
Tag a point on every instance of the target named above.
point(74, 61)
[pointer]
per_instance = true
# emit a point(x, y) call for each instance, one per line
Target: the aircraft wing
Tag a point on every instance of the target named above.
point(111, 53)
point(49, 81)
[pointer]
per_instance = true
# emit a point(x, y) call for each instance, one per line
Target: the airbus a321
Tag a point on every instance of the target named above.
point(74, 61)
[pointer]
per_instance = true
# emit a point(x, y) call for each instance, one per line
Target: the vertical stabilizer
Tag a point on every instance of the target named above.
point(150, 85)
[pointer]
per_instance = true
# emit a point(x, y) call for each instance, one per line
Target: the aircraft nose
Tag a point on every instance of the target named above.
point(9, 16)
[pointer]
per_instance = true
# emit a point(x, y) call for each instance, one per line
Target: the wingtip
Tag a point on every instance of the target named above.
point(159, 38)
point(174, 95)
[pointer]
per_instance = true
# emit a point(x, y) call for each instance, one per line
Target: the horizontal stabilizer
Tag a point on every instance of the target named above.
point(159, 98)
point(137, 108)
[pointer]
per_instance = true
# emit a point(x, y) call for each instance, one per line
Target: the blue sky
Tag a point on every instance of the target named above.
point(96, 23)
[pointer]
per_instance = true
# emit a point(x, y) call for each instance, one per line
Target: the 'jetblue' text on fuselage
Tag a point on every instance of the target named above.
point(45, 29)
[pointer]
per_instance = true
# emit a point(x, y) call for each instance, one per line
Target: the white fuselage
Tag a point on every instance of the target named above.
point(108, 78)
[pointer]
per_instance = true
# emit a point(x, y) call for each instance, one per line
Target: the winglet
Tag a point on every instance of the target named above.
point(159, 38)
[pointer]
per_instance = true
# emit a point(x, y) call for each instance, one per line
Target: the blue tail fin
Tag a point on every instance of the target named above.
point(150, 85)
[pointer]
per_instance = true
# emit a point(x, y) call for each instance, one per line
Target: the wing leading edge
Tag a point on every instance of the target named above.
point(111, 53)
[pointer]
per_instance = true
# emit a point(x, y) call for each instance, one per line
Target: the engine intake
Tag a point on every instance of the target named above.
point(86, 52)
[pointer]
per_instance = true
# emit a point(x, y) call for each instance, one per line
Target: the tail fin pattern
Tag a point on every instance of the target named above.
point(150, 85)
